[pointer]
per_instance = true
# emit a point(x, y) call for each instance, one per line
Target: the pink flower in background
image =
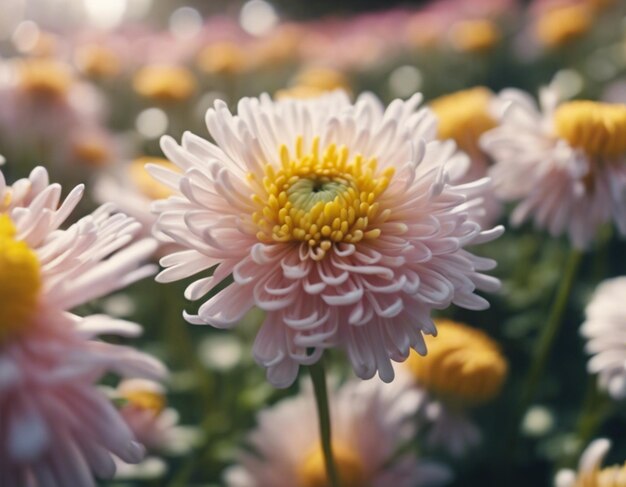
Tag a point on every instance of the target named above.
point(338, 219)
point(563, 163)
point(58, 428)
point(370, 421)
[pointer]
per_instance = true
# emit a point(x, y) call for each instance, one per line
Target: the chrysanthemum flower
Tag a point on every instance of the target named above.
point(370, 421)
point(133, 190)
point(58, 428)
point(606, 321)
point(564, 163)
point(464, 368)
point(590, 473)
point(337, 219)
point(464, 116)
point(164, 83)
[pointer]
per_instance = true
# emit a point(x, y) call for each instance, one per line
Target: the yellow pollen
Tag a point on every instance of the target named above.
point(463, 365)
point(464, 116)
point(146, 400)
point(599, 129)
point(20, 281)
point(144, 182)
point(223, 58)
point(320, 198)
point(44, 78)
point(164, 83)
point(349, 467)
point(614, 476)
point(561, 25)
point(475, 36)
point(98, 61)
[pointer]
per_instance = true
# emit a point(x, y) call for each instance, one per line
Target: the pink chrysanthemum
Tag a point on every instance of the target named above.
point(58, 428)
point(563, 163)
point(370, 421)
point(337, 219)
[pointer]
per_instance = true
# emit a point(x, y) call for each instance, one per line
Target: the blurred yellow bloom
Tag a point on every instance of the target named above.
point(145, 183)
point(92, 151)
point(597, 128)
point(464, 116)
point(45, 78)
point(282, 47)
point(223, 58)
point(463, 364)
point(559, 26)
point(349, 467)
point(322, 78)
point(475, 36)
point(98, 61)
point(164, 83)
point(299, 92)
point(144, 399)
point(20, 280)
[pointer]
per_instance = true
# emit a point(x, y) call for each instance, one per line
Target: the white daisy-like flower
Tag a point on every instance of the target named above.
point(339, 220)
point(370, 421)
point(58, 427)
point(605, 332)
point(590, 472)
point(563, 162)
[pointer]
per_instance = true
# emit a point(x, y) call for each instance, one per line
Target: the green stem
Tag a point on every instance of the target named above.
point(544, 345)
point(550, 330)
point(318, 376)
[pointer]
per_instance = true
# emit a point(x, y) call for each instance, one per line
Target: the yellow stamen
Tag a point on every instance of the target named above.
point(561, 25)
point(20, 281)
point(463, 365)
point(464, 116)
point(44, 78)
point(320, 198)
point(599, 129)
point(349, 467)
point(144, 182)
point(146, 400)
point(225, 58)
point(164, 83)
point(98, 61)
point(475, 36)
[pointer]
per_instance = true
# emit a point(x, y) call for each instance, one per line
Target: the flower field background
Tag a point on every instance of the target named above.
point(521, 378)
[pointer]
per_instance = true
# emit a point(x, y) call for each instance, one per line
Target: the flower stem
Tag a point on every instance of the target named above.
point(318, 376)
point(550, 330)
point(542, 350)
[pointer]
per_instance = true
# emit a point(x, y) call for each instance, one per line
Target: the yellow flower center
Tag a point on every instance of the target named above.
point(44, 78)
point(599, 129)
point(145, 183)
point(324, 79)
point(223, 58)
point(349, 467)
point(98, 61)
point(298, 92)
point(320, 198)
point(464, 116)
point(475, 35)
point(146, 400)
point(20, 281)
point(614, 476)
point(561, 25)
point(164, 83)
point(463, 365)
